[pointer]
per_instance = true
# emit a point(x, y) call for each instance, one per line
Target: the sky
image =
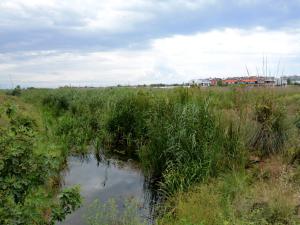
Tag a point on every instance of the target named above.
point(51, 43)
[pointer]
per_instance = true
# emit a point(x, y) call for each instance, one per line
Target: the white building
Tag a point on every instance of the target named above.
point(281, 81)
point(294, 79)
point(201, 82)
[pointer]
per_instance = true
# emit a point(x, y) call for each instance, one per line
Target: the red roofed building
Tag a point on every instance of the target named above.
point(248, 81)
point(241, 80)
point(230, 81)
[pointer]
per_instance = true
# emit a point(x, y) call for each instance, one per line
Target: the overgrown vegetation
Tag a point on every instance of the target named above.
point(271, 134)
point(26, 169)
point(15, 92)
point(207, 149)
point(239, 198)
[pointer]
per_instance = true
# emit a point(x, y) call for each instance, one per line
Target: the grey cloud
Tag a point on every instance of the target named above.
point(65, 28)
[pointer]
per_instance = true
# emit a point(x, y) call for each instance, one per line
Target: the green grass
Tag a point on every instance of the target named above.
point(237, 198)
point(195, 142)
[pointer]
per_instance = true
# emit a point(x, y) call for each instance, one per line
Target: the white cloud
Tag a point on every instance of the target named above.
point(174, 59)
point(71, 28)
point(227, 51)
point(17, 4)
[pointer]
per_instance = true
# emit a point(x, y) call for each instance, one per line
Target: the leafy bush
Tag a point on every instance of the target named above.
point(69, 201)
point(20, 166)
point(24, 172)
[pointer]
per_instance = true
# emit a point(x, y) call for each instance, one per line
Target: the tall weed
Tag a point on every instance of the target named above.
point(271, 134)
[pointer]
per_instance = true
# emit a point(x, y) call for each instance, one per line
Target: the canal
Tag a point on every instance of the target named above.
point(105, 179)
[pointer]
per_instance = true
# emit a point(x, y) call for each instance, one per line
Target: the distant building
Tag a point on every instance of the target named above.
point(269, 81)
point(214, 81)
point(201, 82)
point(293, 79)
point(230, 81)
point(251, 80)
point(248, 80)
point(281, 81)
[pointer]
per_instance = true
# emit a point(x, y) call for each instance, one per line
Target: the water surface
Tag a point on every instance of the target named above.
point(105, 180)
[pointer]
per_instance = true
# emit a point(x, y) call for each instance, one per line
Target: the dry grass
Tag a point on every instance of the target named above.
point(266, 194)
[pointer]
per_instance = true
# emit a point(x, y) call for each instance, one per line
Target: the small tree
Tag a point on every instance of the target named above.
point(17, 91)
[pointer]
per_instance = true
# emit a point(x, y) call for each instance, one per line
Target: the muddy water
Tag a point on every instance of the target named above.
point(103, 180)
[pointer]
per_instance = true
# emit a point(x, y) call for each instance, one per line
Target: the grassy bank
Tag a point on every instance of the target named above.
point(207, 149)
point(30, 163)
point(268, 193)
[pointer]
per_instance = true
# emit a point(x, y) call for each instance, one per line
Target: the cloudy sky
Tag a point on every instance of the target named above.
point(48, 43)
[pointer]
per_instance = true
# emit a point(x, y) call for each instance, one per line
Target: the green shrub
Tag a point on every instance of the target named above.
point(16, 91)
point(25, 171)
point(69, 200)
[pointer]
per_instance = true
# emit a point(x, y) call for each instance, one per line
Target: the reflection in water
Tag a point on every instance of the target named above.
point(102, 179)
point(106, 173)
